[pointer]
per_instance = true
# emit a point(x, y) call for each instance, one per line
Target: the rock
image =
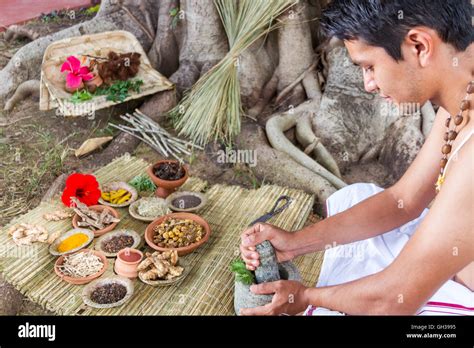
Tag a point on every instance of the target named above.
point(268, 269)
point(244, 298)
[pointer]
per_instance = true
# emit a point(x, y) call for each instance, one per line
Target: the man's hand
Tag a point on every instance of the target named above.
point(290, 298)
point(280, 239)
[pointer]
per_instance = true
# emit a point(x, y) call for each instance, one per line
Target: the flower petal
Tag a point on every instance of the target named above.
point(73, 81)
point(66, 67)
point(75, 63)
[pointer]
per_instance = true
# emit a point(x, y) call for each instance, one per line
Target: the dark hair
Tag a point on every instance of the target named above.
point(385, 23)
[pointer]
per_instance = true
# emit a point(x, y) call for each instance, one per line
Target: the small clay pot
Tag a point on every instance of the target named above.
point(244, 298)
point(93, 83)
point(166, 187)
point(99, 208)
point(72, 90)
point(125, 267)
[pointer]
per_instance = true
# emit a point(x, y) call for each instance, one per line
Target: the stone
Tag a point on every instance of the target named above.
point(268, 269)
point(244, 298)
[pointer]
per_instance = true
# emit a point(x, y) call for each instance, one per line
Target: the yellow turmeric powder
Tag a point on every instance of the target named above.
point(72, 242)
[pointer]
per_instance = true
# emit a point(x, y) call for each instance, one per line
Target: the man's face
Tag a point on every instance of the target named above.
point(397, 82)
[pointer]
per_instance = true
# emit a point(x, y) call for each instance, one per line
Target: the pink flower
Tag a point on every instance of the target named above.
point(77, 73)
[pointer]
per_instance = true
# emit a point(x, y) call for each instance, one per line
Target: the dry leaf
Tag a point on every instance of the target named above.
point(91, 145)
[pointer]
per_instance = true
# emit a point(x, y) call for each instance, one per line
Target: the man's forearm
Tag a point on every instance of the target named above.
point(376, 215)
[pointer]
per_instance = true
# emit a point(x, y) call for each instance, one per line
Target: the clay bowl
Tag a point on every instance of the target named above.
point(114, 186)
point(182, 250)
point(166, 187)
point(84, 280)
point(99, 208)
point(186, 201)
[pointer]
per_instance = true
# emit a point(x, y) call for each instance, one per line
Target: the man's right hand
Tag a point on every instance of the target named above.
point(281, 240)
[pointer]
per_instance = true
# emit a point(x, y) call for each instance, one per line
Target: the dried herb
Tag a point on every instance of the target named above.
point(242, 274)
point(109, 293)
point(117, 243)
point(169, 171)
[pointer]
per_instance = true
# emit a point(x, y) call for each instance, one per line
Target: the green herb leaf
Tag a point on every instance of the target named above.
point(143, 183)
point(81, 96)
point(242, 274)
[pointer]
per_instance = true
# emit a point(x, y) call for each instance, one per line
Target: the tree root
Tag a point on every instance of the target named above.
point(280, 123)
point(267, 93)
point(15, 32)
point(279, 168)
point(26, 89)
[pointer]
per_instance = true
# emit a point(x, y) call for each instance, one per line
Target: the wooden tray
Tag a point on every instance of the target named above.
point(52, 92)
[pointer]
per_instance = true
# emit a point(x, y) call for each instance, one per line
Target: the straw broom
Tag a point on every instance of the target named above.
point(211, 109)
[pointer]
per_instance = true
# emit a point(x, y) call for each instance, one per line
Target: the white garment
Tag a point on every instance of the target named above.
point(352, 261)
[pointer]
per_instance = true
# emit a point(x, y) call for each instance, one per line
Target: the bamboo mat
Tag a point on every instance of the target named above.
point(208, 288)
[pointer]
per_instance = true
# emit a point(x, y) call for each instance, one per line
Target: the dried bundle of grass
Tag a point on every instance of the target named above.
point(211, 109)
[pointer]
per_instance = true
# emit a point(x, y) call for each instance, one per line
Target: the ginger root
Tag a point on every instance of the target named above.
point(26, 234)
point(160, 266)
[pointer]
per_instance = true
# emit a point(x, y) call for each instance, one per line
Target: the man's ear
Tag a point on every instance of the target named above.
point(420, 44)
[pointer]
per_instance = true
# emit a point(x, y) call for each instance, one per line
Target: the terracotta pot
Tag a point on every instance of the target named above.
point(85, 280)
point(93, 83)
point(183, 250)
point(98, 208)
point(166, 187)
point(72, 90)
point(126, 267)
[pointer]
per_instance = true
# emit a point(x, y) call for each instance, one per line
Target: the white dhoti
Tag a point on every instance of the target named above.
point(352, 261)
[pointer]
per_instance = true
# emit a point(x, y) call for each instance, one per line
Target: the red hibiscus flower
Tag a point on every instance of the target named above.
point(82, 186)
point(77, 73)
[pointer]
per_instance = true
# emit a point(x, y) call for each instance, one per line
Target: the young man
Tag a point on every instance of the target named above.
point(393, 255)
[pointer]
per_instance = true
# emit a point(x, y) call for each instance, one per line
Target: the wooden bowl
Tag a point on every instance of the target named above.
point(182, 250)
point(166, 187)
point(99, 208)
point(116, 185)
point(84, 280)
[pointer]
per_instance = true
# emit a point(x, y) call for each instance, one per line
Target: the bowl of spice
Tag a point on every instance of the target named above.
point(149, 208)
point(183, 232)
point(98, 218)
point(81, 267)
point(118, 194)
point(71, 241)
point(111, 243)
point(108, 292)
point(186, 201)
point(168, 175)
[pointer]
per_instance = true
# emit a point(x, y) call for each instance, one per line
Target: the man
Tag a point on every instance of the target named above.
point(393, 255)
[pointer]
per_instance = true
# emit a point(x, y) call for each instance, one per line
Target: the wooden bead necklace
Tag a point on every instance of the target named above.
point(451, 134)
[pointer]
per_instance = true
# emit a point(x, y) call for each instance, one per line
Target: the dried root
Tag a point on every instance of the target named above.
point(160, 266)
point(26, 234)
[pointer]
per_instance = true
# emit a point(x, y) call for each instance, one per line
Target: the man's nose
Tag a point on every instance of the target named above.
point(369, 83)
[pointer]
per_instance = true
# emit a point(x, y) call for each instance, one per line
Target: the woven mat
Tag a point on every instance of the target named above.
point(208, 288)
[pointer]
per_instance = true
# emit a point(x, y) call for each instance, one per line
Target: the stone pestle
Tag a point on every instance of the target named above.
point(268, 270)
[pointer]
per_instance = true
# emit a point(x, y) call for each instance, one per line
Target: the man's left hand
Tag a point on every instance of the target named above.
point(289, 298)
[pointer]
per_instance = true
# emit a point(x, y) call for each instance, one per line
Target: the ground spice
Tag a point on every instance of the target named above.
point(108, 293)
point(130, 257)
point(117, 243)
point(186, 202)
point(72, 242)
